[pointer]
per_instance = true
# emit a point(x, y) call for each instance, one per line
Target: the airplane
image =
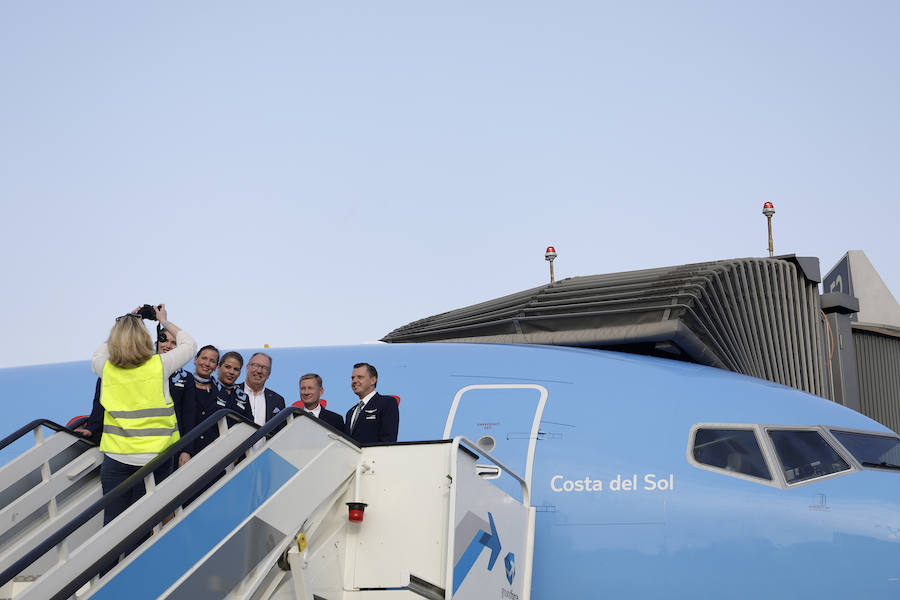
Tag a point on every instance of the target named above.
point(639, 476)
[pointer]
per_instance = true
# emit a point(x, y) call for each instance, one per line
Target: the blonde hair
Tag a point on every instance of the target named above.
point(129, 343)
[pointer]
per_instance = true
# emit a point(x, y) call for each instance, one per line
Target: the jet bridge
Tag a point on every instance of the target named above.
point(756, 316)
point(277, 524)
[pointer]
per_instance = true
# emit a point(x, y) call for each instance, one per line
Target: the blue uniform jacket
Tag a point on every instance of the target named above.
point(378, 421)
point(217, 398)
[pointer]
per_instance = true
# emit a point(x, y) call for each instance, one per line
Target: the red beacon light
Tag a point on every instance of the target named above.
point(768, 209)
point(356, 511)
point(549, 255)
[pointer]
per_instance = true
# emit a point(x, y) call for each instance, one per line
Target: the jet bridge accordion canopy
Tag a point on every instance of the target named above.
point(757, 316)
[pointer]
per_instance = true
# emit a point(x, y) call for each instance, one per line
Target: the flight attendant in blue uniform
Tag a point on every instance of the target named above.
point(206, 389)
point(231, 395)
point(215, 394)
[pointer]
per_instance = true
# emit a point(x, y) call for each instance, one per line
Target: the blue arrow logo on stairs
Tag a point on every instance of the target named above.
point(480, 541)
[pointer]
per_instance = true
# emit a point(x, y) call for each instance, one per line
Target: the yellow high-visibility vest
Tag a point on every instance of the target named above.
point(138, 417)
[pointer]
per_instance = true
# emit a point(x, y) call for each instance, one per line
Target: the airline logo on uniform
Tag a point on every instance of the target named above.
point(178, 378)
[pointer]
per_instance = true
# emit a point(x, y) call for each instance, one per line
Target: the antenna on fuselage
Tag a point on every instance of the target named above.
point(769, 211)
point(549, 255)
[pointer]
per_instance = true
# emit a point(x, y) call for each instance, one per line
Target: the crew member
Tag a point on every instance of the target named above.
point(375, 418)
point(230, 395)
point(221, 394)
point(206, 389)
point(310, 395)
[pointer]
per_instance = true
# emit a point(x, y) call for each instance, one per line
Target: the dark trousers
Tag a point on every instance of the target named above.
point(113, 472)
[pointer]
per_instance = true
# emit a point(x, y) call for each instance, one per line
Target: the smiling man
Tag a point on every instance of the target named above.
point(375, 418)
point(310, 393)
point(264, 402)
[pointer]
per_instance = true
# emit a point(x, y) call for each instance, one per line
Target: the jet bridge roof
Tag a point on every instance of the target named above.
point(757, 316)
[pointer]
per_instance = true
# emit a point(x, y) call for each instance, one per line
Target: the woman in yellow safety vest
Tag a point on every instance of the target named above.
point(138, 414)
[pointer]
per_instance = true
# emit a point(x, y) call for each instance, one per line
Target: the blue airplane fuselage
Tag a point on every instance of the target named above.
point(622, 508)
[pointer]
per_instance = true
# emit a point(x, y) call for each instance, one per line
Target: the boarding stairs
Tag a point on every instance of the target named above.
point(54, 479)
point(277, 524)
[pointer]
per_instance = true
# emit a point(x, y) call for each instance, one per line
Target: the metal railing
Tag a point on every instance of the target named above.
point(142, 477)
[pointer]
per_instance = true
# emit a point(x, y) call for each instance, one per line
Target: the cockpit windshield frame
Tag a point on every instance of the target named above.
point(858, 461)
point(755, 429)
point(773, 460)
point(838, 449)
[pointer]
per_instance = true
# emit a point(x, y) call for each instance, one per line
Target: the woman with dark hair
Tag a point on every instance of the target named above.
point(204, 393)
point(139, 416)
point(217, 393)
point(231, 395)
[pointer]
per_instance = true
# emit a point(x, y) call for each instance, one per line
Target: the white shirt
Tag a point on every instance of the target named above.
point(315, 412)
point(257, 404)
point(365, 400)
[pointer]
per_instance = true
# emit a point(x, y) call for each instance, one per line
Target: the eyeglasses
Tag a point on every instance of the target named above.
point(128, 315)
point(258, 366)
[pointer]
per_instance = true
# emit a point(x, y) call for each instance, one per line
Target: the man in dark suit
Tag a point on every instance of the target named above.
point(264, 402)
point(375, 418)
point(310, 393)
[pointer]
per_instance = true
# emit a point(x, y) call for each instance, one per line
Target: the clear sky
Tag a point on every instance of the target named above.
point(306, 173)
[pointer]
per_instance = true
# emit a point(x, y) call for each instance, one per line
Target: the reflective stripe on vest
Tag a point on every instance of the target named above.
point(138, 416)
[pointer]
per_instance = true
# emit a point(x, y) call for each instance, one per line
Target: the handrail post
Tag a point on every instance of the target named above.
point(451, 520)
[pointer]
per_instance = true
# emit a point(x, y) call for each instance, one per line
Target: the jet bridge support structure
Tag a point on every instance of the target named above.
point(276, 525)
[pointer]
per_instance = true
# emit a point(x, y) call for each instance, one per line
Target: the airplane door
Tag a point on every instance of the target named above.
point(509, 415)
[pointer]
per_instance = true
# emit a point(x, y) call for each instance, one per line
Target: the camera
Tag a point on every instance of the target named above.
point(147, 312)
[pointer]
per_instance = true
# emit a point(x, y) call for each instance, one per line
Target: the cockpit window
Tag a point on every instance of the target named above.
point(878, 451)
point(731, 449)
point(805, 455)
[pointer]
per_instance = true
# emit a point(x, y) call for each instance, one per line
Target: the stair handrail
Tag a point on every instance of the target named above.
point(464, 441)
point(29, 427)
point(468, 445)
point(137, 532)
point(135, 479)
